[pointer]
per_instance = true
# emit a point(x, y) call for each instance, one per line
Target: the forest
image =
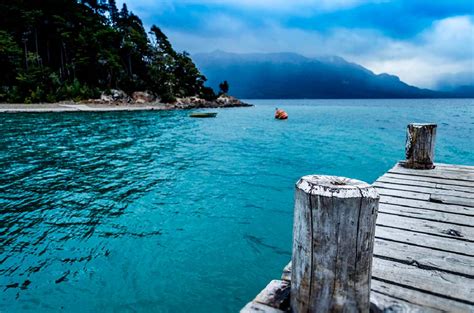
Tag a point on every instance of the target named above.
point(53, 50)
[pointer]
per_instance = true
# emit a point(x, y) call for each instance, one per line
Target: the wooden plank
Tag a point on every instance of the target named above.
point(405, 182)
point(437, 216)
point(425, 257)
point(427, 197)
point(420, 177)
point(424, 189)
point(409, 299)
point(455, 167)
point(380, 303)
point(395, 298)
point(455, 170)
point(452, 170)
point(255, 307)
point(276, 294)
point(428, 227)
point(439, 198)
point(455, 209)
point(443, 285)
point(404, 194)
point(286, 275)
point(457, 188)
point(430, 179)
point(433, 242)
point(435, 173)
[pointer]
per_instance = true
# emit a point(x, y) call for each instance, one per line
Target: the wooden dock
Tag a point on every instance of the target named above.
point(423, 259)
point(424, 240)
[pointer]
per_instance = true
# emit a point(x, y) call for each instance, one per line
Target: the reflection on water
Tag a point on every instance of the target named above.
point(157, 212)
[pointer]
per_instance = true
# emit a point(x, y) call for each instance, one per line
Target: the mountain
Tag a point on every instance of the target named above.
point(465, 91)
point(460, 83)
point(293, 76)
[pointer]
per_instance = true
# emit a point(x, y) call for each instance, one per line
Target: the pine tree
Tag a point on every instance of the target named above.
point(61, 49)
point(224, 87)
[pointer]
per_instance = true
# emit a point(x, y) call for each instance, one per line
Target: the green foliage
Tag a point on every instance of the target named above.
point(72, 49)
point(10, 58)
point(224, 87)
point(208, 94)
point(168, 98)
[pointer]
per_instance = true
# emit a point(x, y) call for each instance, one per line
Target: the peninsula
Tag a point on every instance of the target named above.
point(91, 55)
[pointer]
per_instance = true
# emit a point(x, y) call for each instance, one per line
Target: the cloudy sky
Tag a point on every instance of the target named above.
point(425, 42)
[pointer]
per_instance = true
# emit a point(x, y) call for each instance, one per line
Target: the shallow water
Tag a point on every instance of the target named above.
point(158, 212)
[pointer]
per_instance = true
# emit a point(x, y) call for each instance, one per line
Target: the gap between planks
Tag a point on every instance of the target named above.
point(380, 183)
point(424, 240)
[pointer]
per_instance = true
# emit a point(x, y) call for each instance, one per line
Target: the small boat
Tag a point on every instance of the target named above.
point(203, 115)
point(280, 114)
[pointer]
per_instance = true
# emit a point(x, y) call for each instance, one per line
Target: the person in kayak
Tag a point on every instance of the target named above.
point(280, 114)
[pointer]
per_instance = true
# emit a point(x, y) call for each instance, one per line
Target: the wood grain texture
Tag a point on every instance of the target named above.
point(334, 223)
point(427, 190)
point(256, 307)
point(286, 274)
point(275, 294)
point(425, 258)
point(382, 303)
point(440, 284)
point(424, 246)
point(275, 297)
point(400, 181)
point(420, 146)
point(436, 173)
point(423, 204)
point(394, 298)
point(429, 215)
point(469, 168)
point(428, 227)
point(437, 179)
point(424, 240)
point(423, 252)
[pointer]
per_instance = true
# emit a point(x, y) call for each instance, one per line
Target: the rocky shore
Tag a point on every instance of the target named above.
point(118, 97)
point(117, 100)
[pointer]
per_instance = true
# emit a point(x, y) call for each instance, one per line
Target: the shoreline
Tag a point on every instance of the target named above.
point(114, 106)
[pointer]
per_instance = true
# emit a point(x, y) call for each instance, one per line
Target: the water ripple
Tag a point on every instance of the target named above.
point(157, 212)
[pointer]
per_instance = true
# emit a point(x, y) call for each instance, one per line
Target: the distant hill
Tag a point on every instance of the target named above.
point(293, 76)
point(464, 91)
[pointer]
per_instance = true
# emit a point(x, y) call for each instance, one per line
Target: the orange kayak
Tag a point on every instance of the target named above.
point(281, 115)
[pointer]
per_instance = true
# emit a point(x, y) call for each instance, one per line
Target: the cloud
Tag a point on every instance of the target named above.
point(269, 5)
point(443, 50)
point(420, 42)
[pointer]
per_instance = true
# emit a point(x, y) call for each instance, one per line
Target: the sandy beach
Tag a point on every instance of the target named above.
point(65, 107)
point(187, 104)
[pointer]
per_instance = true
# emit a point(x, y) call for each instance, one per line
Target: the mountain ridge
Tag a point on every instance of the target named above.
point(290, 75)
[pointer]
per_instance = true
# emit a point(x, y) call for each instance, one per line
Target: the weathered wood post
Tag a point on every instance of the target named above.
point(333, 238)
point(420, 146)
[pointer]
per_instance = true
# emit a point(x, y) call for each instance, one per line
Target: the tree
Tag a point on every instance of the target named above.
point(10, 58)
point(113, 11)
point(59, 49)
point(224, 87)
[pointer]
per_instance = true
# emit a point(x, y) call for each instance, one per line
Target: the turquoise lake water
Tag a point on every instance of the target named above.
point(158, 212)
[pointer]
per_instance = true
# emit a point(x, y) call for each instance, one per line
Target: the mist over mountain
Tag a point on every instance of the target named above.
point(293, 76)
point(461, 84)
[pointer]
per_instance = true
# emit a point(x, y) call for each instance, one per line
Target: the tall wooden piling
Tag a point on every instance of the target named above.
point(333, 238)
point(420, 146)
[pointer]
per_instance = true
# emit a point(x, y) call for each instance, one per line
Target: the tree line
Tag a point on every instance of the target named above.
point(52, 50)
